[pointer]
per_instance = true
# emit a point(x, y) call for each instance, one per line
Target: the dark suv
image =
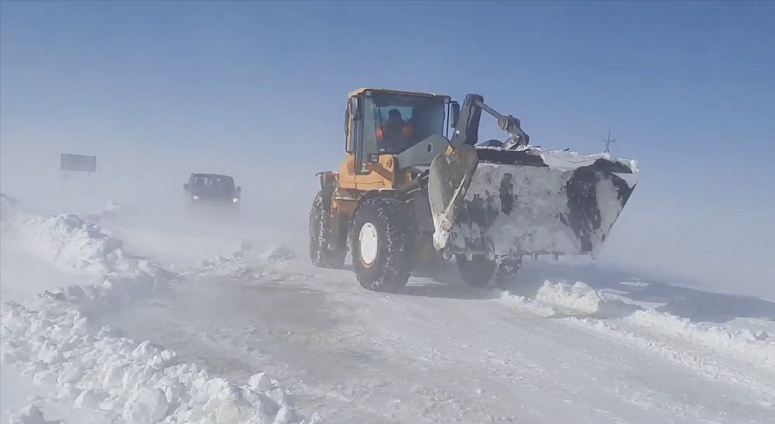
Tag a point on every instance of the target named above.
point(204, 190)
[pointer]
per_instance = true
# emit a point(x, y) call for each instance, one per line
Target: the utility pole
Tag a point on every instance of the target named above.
point(608, 141)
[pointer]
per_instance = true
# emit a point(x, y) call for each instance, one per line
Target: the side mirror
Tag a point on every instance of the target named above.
point(454, 113)
point(239, 189)
point(185, 186)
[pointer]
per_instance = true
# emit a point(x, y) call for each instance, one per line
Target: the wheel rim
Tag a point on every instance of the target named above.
point(368, 241)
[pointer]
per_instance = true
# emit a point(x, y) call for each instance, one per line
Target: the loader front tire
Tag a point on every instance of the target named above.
point(325, 249)
point(382, 240)
point(481, 272)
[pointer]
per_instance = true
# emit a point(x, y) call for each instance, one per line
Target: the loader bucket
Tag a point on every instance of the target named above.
point(508, 203)
point(448, 179)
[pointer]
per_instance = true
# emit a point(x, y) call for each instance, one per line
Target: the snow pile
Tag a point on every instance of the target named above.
point(567, 160)
point(30, 415)
point(573, 160)
point(516, 209)
point(578, 297)
point(139, 382)
point(582, 303)
point(73, 244)
point(55, 342)
point(755, 347)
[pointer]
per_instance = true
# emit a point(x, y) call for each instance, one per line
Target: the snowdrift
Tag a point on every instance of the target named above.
point(55, 342)
point(608, 312)
point(29, 415)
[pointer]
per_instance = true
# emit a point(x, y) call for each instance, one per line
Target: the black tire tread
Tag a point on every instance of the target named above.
point(395, 225)
point(324, 249)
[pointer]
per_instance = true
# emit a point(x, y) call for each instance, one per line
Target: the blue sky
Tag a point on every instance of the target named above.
point(669, 79)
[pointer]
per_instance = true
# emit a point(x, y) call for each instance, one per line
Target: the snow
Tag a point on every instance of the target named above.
point(567, 160)
point(608, 350)
point(21, 402)
point(539, 198)
point(30, 415)
point(753, 346)
point(455, 355)
point(535, 224)
point(56, 342)
point(572, 160)
point(578, 297)
point(163, 299)
point(716, 351)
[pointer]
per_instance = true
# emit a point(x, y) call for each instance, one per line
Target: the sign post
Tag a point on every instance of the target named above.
point(608, 142)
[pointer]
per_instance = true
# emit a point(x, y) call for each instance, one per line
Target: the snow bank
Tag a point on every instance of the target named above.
point(55, 342)
point(29, 415)
point(579, 296)
point(139, 382)
point(756, 347)
point(72, 244)
point(581, 302)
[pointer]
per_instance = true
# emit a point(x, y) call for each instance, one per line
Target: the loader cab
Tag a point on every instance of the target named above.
point(382, 123)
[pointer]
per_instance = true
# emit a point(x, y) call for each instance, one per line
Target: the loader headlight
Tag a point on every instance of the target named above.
point(235, 200)
point(195, 197)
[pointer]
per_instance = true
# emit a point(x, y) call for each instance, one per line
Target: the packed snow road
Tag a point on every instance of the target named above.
point(443, 353)
point(261, 336)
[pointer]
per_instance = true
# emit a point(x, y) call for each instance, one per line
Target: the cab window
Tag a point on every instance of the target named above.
point(399, 122)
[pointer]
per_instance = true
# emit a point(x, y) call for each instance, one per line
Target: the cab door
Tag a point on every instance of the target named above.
point(353, 135)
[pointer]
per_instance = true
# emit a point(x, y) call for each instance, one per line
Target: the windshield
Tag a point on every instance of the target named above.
point(214, 184)
point(401, 121)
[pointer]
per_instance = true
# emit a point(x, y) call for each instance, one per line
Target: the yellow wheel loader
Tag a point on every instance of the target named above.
point(417, 186)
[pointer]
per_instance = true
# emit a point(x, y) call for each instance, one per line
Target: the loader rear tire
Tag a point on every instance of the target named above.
point(481, 272)
point(325, 249)
point(382, 240)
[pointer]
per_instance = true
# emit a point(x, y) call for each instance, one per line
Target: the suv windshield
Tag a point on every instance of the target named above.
point(401, 121)
point(213, 184)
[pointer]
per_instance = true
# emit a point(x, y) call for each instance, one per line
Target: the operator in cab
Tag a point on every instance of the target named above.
point(394, 134)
